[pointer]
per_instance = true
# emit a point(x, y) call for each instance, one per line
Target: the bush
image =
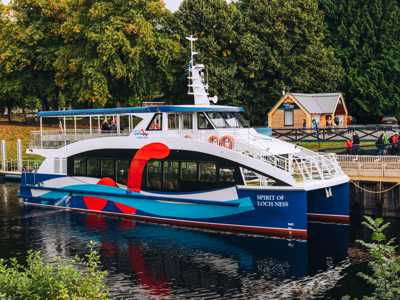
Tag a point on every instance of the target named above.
point(64, 280)
point(384, 262)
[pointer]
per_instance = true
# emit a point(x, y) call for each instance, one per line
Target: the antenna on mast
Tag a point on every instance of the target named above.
point(197, 85)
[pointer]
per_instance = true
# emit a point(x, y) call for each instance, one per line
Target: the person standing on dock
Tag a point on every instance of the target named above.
point(356, 143)
point(386, 143)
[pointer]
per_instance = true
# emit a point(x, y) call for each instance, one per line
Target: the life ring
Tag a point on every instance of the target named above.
point(227, 141)
point(213, 139)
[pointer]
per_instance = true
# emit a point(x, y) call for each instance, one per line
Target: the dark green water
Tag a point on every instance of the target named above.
point(148, 261)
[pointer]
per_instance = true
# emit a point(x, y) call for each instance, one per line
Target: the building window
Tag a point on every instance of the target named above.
point(156, 122)
point(173, 121)
point(203, 122)
point(187, 121)
point(288, 118)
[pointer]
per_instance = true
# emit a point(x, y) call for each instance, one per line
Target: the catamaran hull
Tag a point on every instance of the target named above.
point(280, 212)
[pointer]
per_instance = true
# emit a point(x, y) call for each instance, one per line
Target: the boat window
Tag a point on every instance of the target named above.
point(171, 175)
point(189, 171)
point(80, 167)
point(173, 121)
point(217, 119)
point(242, 119)
point(226, 174)
point(187, 121)
point(207, 172)
point(107, 168)
point(122, 167)
point(153, 175)
point(156, 122)
point(203, 122)
point(92, 167)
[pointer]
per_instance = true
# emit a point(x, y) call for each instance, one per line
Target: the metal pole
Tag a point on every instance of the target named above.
point(41, 132)
point(90, 126)
point(75, 127)
point(130, 122)
point(98, 124)
point(65, 131)
point(4, 155)
point(118, 125)
point(19, 155)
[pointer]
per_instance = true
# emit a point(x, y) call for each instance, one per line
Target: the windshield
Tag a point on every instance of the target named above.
point(228, 119)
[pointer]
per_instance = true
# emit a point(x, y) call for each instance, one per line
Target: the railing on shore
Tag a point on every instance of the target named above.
point(370, 166)
point(366, 133)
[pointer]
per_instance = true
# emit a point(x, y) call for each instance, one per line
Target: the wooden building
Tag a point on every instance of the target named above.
point(296, 110)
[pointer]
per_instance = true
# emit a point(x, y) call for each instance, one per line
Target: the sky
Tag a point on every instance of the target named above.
point(171, 4)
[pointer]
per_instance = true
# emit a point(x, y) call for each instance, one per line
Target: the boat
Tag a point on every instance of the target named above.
point(197, 165)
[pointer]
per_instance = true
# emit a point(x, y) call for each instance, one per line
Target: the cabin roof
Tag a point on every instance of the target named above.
point(323, 103)
point(141, 109)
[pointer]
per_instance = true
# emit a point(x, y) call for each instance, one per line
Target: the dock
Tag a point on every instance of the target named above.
point(371, 168)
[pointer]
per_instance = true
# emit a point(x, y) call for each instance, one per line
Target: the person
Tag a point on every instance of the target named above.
point(105, 126)
point(380, 145)
point(113, 125)
point(349, 146)
point(394, 143)
point(356, 143)
point(386, 143)
point(304, 123)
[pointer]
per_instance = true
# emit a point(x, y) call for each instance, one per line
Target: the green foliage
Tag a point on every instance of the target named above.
point(366, 37)
point(384, 263)
point(64, 280)
point(115, 51)
point(282, 47)
point(214, 22)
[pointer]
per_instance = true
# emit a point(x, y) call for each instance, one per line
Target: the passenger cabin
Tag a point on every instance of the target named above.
point(182, 171)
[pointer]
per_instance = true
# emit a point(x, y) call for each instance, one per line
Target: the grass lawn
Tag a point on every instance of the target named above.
point(331, 145)
point(10, 132)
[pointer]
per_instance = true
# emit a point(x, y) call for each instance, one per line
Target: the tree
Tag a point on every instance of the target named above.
point(282, 46)
point(214, 23)
point(366, 37)
point(115, 52)
point(30, 40)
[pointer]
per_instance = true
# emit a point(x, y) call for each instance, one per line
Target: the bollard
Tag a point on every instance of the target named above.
point(3, 155)
point(19, 155)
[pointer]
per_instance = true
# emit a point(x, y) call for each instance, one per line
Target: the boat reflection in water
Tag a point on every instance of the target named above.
point(147, 260)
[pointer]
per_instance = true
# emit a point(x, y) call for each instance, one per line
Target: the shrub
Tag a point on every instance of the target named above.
point(64, 280)
point(384, 262)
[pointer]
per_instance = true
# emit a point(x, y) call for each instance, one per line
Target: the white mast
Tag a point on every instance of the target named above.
point(197, 85)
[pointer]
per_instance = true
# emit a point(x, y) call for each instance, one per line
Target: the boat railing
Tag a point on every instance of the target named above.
point(51, 139)
point(304, 165)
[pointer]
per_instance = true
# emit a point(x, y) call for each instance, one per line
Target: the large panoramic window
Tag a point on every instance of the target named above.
point(217, 119)
point(189, 171)
point(171, 175)
point(207, 172)
point(80, 167)
point(93, 167)
point(203, 122)
point(122, 167)
point(107, 168)
point(153, 175)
